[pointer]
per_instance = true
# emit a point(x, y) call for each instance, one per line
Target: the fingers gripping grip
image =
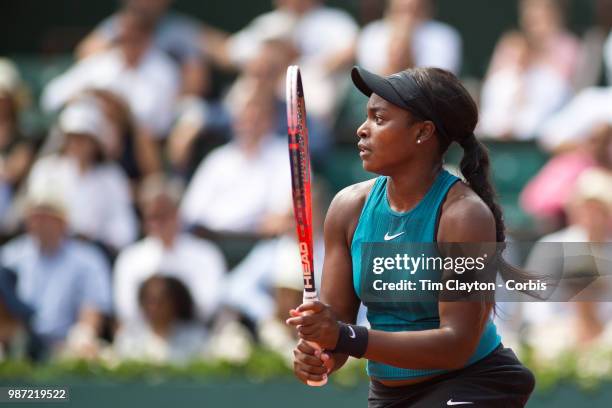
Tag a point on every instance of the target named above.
point(309, 298)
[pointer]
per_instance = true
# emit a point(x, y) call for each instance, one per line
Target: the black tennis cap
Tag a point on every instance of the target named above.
point(400, 89)
point(369, 83)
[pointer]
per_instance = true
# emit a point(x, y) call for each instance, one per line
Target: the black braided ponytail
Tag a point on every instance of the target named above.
point(475, 168)
point(446, 102)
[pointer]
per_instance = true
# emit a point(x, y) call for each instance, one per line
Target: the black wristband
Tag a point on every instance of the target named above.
point(352, 340)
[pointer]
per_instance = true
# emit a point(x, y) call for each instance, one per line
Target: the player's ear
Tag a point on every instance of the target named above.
point(426, 131)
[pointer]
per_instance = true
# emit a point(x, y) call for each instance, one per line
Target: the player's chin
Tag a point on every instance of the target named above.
point(369, 165)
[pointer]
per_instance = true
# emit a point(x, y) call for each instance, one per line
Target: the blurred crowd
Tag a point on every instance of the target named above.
point(111, 223)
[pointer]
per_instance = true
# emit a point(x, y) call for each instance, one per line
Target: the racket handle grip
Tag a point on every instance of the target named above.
point(310, 298)
point(324, 380)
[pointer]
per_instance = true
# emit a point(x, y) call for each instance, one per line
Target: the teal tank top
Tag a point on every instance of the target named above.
point(416, 226)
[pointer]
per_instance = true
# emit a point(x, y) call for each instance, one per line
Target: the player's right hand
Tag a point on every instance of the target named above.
point(310, 364)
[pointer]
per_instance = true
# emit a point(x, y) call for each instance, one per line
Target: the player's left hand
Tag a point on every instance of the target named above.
point(316, 322)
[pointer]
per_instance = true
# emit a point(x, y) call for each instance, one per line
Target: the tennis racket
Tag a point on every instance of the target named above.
point(299, 157)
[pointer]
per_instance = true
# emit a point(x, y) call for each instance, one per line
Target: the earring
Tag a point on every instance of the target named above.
point(419, 141)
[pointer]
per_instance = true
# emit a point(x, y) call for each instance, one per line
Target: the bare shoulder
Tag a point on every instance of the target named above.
point(465, 217)
point(345, 208)
point(353, 195)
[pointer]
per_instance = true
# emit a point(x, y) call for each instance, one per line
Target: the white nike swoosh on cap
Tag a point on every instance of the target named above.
point(390, 237)
point(451, 402)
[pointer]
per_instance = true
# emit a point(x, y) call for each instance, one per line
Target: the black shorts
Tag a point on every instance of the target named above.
point(499, 380)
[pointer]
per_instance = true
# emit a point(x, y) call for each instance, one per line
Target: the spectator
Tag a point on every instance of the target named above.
point(519, 96)
point(411, 38)
point(144, 76)
point(265, 73)
point(170, 333)
point(177, 34)
point(530, 75)
point(608, 58)
point(16, 339)
point(267, 266)
point(323, 37)
point(137, 154)
point(166, 250)
point(287, 291)
point(201, 125)
point(271, 273)
point(243, 186)
point(547, 194)
point(589, 108)
point(591, 70)
point(590, 220)
point(577, 120)
point(16, 150)
point(272, 276)
point(87, 179)
point(549, 41)
point(589, 209)
point(64, 281)
point(236, 50)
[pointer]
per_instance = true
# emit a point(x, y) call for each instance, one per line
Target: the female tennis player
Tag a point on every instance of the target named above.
point(418, 356)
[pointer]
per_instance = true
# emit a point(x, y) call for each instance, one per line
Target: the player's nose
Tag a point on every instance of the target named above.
point(362, 131)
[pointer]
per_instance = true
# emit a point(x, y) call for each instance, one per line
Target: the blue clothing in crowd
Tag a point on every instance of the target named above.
point(57, 287)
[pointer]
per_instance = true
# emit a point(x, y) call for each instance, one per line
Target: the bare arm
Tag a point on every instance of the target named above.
point(92, 44)
point(91, 318)
point(148, 154)
point(341, 60)
point(214, 44)
point(195, 73)
point(400, 52)
point(337, 285)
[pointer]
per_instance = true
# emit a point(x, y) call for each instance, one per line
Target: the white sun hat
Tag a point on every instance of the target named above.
point(85, 116)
